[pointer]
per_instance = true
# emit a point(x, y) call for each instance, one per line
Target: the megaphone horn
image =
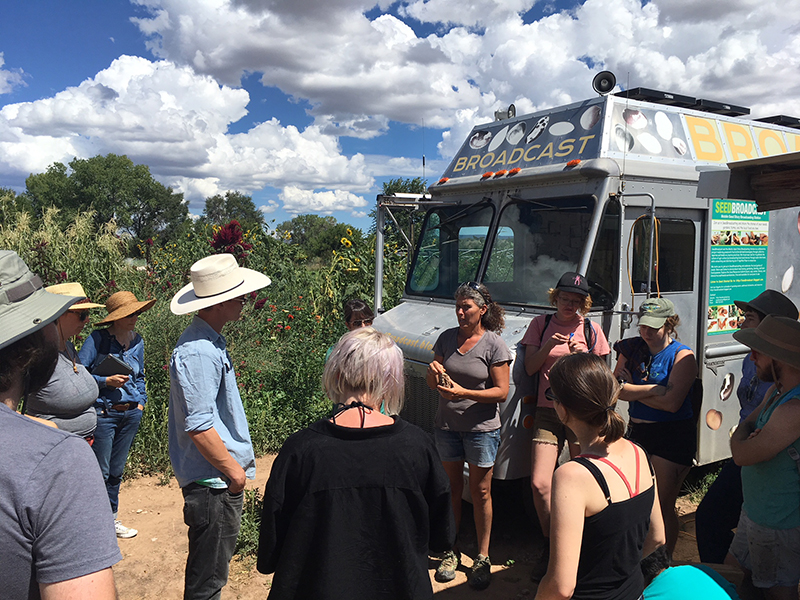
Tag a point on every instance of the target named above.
point(604, 82)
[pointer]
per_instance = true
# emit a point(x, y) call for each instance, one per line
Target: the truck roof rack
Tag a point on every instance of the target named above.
point(720, 108)
point(659, 97)
point(784, 120)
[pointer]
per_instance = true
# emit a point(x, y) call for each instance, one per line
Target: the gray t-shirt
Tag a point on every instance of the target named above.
point(55, 520)
point(470, 370)
point(68, 398)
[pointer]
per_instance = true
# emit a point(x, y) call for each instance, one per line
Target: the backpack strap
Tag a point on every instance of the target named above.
point(589, 334)
point(547, 318)
point(105, 342)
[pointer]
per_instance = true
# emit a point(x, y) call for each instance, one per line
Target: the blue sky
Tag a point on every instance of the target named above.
point(309, 105)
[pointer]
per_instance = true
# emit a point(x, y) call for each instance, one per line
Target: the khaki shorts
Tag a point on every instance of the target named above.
point(547, 429)
point(772, 555)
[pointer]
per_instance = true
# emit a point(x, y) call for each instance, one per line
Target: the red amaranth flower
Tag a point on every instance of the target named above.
point(230, 239)
point(260, 304)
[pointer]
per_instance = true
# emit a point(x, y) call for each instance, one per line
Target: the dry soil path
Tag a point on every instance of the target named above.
point(153, 562)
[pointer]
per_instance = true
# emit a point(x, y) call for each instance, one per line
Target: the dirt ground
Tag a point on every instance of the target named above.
point(153, 561)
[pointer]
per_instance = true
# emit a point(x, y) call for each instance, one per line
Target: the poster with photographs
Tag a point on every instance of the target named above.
point(739, 245)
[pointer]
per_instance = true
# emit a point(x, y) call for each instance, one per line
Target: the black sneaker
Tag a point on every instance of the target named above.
point(481, 573)
point(540, 568)
point(446, 571)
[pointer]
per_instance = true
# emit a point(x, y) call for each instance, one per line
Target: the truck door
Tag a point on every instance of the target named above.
point(675, 267)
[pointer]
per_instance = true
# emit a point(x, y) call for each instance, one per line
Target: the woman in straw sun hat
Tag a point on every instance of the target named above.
point(67, 401)
point(122, 395)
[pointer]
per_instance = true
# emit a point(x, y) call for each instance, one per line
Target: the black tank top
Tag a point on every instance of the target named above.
point(612, 542)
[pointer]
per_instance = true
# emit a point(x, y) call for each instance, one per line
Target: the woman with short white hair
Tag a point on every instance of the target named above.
point(355, 502)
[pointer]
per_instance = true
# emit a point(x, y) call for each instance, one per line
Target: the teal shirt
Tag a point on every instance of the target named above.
point(690, 582)
point(772, 488)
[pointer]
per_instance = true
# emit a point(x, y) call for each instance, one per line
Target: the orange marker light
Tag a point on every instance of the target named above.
point(487, 175)
point(574, 163)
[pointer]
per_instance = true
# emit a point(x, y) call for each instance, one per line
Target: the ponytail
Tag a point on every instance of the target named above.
point(587, 388)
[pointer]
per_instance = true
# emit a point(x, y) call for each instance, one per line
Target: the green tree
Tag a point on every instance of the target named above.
point(115, 189)
point(51, 188)
point(409, 220)
point(317, 236)
point(220, 210)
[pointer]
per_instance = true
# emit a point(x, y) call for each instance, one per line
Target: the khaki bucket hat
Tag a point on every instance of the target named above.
point(25, 306)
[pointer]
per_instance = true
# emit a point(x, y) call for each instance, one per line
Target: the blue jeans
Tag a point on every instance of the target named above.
point(112, 442)
point(718, 514)
point(214, 517)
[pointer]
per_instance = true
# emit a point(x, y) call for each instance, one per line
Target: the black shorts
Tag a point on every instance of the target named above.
point(675, 441)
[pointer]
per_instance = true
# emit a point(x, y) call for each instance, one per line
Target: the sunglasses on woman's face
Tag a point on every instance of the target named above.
point(83, 315)
point(361, 323)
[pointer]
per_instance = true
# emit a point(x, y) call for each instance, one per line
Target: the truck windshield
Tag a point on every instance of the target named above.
point(538, 241)
point(450, 249)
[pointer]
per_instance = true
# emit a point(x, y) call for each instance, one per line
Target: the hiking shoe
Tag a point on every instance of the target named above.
point(481, 573)
point(446, 571)
point(540, 568)
point(124, 532)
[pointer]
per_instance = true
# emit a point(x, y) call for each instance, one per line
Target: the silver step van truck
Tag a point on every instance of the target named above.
point(607, 187)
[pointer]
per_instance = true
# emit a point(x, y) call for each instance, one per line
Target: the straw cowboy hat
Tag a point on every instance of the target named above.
point(776, 337)
point(25, 306)
point(123, 304)
point(770, 302)
point(215, 279)
point(74, 289)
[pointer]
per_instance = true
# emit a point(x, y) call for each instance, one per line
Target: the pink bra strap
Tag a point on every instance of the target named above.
point(603, 459)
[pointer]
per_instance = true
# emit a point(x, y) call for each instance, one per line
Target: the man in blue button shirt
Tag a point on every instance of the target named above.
point(209, 441)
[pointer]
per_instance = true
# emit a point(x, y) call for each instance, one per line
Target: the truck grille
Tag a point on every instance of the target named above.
point(421, 402)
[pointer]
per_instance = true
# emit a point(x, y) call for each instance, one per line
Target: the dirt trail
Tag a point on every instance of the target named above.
point(153, 561)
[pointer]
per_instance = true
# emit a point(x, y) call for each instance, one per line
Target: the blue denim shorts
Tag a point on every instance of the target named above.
point(478, 448)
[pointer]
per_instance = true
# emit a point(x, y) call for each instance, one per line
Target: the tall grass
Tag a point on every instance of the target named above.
point(278, 347)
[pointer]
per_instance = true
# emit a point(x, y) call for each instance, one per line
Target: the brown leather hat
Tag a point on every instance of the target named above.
point(776, 337)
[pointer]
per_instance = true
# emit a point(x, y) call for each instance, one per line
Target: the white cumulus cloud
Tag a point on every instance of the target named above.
point(297, 200)
point(9, 78)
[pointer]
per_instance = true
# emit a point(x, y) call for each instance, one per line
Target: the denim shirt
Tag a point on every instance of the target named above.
point(134, 389)
point(203, 394)
point(751, 390)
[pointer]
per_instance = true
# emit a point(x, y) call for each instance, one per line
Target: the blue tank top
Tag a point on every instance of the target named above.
point(647, 368)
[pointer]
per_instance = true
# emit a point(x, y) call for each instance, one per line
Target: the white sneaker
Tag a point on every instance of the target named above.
point(124, 532)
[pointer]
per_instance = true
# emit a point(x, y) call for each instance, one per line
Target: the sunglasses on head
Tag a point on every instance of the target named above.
point(550, 395)
point(474, 285)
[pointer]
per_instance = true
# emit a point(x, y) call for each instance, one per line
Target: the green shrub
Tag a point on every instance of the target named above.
point(279, 345)
point(247, 542)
